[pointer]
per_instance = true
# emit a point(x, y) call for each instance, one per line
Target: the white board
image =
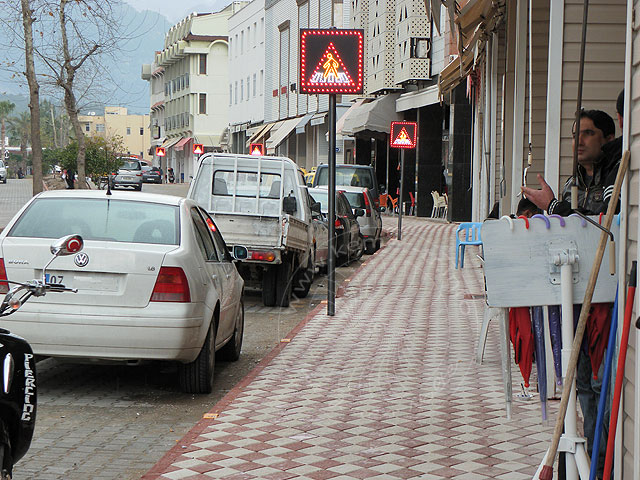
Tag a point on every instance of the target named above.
point(519, 268)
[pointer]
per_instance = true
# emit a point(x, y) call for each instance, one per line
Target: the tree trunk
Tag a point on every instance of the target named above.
point(23, 152)
point(34, 96)
point(3, 133)
point(72, 110)
point(53, 123)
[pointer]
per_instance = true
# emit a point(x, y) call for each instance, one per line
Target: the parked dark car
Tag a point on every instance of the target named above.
point(350, 176)
point(349, 241)
point(151, 174)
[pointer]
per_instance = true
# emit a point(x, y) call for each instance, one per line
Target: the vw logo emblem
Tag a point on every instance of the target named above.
point(81, 259)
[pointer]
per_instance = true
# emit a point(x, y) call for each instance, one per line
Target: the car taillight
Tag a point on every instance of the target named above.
point(338, 223)
point(367, 205)
point(171, 286)
point(262, 256)
point(4, 286)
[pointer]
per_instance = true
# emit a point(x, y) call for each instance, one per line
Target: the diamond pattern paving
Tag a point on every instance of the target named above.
point(387, 388)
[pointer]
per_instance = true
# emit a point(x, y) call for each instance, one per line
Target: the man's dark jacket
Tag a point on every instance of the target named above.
point(593, 198)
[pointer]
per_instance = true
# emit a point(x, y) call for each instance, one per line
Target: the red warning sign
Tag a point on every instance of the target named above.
point(198, 148)
point(403, 134)
point(331, 61)
point(256, 149)
point(160, 152)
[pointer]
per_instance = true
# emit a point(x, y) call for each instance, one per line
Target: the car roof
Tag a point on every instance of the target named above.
point(115, 195)
point(350, 189)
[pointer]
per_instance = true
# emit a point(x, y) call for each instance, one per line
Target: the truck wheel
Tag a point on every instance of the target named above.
point(269, 286)
point(231, 351)
point(197, 376)
point(371, 247)
point(283, 283)
point(303, 280)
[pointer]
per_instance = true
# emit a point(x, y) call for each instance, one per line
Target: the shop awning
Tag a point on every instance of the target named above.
point(256, 137)
point(375, 116)
point(318, 118)
point(224, 138)
point(283, 132)
point(170, 142)
point(303, 123)
point(208, 140)
point(350, 110)
point(421, 98)
point(180, 145)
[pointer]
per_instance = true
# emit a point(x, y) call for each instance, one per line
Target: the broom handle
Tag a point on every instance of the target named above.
point(584, 313)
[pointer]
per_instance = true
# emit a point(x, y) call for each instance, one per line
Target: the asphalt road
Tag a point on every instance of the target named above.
point(115, 422)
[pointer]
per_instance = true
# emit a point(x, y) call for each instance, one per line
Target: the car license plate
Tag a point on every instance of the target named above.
point(125, 177)
point(56, 278)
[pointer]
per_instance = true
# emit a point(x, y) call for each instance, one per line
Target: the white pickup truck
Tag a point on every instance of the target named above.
point(263, 204)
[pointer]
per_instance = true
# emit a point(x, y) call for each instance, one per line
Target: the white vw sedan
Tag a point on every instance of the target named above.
point(155, 281)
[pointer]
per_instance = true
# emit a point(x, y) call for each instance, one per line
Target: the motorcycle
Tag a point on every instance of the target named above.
point(18, 392)
point(172, 177)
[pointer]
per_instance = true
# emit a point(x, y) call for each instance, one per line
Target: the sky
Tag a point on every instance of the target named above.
point(168, 7)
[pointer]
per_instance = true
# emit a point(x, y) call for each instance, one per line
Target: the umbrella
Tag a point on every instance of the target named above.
point(555, 332)
point(522, 339)
point(541, 363)
point(598, 326)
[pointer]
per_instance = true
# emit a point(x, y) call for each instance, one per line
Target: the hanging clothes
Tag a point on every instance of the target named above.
point(522, 339)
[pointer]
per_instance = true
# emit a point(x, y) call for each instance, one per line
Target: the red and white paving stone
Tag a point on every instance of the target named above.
point(388, 388)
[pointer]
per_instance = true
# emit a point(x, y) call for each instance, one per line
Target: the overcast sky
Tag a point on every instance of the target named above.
point(175, 11)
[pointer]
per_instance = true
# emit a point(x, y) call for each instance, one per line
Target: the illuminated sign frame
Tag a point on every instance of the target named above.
point(410, 129)
point(317, 49)
point(160, 152)
point(198, 148)
point(255, 146)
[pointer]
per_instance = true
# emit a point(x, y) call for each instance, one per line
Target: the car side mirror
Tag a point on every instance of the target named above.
point(358, 212)
point(240, 252)
point(289, 204)
point(316, 207)
point(68, 245)
point(383, 209)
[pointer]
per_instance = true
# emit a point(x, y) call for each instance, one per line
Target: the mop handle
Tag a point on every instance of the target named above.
point(624, 341)
point(547, 471)
point(604, 392)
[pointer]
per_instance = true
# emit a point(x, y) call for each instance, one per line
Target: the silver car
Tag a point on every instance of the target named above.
point(3, 172)
point(129, 174)
point(371, 221)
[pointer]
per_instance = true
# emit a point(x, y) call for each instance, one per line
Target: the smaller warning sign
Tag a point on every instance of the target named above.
point(198, 148)
point(403, 135)
point(160, 152)
point(256, 149)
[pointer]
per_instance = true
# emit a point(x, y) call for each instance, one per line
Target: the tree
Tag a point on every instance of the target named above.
point(6, 107)
point(102, 156)
point(34, 94)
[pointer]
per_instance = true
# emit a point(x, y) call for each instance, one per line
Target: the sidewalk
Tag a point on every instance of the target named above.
point(387, 388)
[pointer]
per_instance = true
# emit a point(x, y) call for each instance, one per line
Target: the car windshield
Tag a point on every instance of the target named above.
point(356, 199)
point(100, 219)
point(130, 165)
point(323, 198)
point(348, 176)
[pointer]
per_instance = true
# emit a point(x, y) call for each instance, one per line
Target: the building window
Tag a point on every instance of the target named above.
point(128, 130)
point(203, 103)
point(255, 33)
point(241, 42)
point(87, 127)
point(248, 88)
point(230, 95)
point(241, 90)
point(236, 96)
point(186, 79)
point(262, 30)
point(100, 127)
point(203, 64)
point(261, 82)
point(254, 85)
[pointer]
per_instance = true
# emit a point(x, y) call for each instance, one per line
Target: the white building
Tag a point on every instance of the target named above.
point(246, 74)
point(294, 124)
point(154, 74)
point(196, 92)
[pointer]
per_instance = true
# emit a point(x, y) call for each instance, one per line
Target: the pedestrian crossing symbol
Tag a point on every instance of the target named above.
point(403, 134)
point(330, 70)
point(256, 149)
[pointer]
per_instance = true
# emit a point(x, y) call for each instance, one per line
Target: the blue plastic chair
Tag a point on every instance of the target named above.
point(468, 233)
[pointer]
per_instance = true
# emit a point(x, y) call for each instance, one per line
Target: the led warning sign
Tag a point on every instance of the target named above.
point(331, 61)
point(160, 152)
point(256, 149)
point(403, 134)
point(198, 148)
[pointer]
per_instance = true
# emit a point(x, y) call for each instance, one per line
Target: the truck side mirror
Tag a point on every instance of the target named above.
point(358, 212)
point(316, 207)
point(289, 204)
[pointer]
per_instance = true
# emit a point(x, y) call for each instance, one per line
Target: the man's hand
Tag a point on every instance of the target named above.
point(542, 198)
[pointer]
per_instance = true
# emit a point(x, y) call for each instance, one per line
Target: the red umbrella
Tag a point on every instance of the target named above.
point(522, 340)
point(598, 325)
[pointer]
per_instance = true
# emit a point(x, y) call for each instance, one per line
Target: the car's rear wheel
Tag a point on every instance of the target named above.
point(303, 279)
point(370, 247)
point(377, 245)
point(269, 286)
point(342, 249)
point(139, 187)
point(231, 351)
point(197, 376)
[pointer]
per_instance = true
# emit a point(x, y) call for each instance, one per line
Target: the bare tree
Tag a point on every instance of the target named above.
point(34, 94)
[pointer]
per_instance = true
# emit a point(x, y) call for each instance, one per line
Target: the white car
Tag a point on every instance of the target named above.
point(155, 281)
point(3, 172)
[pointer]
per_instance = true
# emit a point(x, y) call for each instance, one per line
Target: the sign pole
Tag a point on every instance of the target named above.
point(331, 267)
point(400, 204)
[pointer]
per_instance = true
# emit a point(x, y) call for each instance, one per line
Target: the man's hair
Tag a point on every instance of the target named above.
point(620, 103)
point(525, 204)
point(601, 120)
